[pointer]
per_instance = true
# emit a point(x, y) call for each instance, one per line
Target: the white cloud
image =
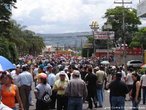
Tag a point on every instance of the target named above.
point(51, 16)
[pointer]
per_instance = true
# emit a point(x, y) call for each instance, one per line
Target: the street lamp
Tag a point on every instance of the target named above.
point(108, 26)
point(94, 26)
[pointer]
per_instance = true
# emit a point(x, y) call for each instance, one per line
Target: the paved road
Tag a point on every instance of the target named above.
point(106, 104)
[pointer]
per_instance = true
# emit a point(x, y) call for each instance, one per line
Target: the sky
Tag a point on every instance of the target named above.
point(62, 16)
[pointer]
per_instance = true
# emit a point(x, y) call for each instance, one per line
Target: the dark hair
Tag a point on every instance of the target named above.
point(101, 67)
point(90, 69)
point(44, 81)
point(137, 76)
point(4, 75)
point(25, 68)
point(61, 68)
point(118, 75)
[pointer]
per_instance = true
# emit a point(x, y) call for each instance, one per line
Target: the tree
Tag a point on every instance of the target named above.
point(5, 14)
point(115, 17)
point(26, 41)
point(139, 39)
point(14, 38)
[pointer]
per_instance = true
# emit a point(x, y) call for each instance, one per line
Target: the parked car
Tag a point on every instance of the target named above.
point(134, 63)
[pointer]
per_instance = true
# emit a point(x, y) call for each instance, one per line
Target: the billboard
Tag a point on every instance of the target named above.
point(104, 35)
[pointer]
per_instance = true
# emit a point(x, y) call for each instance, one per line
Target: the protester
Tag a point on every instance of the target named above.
point(15, 74)
point(101, 80)
point(51, 81)
point(122, 70)
point(10, 92)
point(135, 93)
point(118, 91)
point(4, 107)
point(25, 80)
point(90, 80)
point(60, 86)
point(76, 92)
point(143, 85)
point(129, 80)
point(35, 73)
point(40, 89)
point(61, 70)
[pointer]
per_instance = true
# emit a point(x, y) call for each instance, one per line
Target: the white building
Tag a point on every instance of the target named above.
point(141, 9)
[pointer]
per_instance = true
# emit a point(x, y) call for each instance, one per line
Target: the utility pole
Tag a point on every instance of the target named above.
point(94, 26)
point(123, 29)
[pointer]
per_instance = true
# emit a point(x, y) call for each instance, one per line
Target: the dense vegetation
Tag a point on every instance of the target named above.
point(133, 36)
point(15, 40)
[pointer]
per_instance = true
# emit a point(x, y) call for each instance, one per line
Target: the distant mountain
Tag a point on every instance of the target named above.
point(66, 34)
point(76, 39)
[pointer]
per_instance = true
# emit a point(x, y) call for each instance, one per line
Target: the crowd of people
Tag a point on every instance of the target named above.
point(69, 83)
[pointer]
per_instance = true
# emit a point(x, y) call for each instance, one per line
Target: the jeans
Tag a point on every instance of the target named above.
point(75, 103)
point(14, 108)
point(144, 94)
point(135, 104)
point(100, 96)
point(117, 102)
point(30, 97)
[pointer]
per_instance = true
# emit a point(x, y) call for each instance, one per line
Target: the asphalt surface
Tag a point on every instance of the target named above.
point(106, 105)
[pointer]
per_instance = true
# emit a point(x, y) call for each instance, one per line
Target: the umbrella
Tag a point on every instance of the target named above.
point(5, 64)
point(105, 62)
point(143, 66)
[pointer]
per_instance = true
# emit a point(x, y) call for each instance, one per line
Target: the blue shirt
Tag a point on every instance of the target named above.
point(51, 79)
point(25, 78)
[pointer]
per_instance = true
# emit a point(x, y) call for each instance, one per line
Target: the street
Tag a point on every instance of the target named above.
point(128, 105)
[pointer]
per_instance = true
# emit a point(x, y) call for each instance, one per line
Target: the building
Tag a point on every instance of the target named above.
point(141, 9)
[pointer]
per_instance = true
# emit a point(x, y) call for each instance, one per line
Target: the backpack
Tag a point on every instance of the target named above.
point(46, 97)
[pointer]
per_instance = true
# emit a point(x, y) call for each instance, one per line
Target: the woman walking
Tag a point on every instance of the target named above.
point(40, 89)
point(136, 91)
point(10, 92)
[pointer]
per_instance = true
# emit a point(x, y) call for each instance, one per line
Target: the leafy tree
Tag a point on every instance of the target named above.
point(139, 39)
point(4, 48)
point(5, 14)
point(27, 42)
point(115, 17)
point(90, 39)
point(14, 38)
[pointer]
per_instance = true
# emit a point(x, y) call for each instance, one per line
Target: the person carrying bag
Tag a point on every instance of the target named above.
point(42, 93)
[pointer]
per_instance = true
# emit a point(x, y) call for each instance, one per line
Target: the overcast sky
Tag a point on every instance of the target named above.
point(61, 16)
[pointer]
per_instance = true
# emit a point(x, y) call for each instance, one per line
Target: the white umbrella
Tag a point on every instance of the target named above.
point(105, 62)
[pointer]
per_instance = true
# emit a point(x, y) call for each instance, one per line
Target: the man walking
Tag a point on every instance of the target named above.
point(60, 86)
point(101, 79)
point(76, 92)
point(25, 80)
point(90, 80)
point(118, 91)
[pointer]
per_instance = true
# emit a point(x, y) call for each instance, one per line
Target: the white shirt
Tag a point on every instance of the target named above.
point(123, 76)
point(129, 80)
point(4, 107)
point(143, 79)
point(15, 76)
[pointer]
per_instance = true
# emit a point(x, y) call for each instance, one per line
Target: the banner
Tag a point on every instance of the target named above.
point(104, 35)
